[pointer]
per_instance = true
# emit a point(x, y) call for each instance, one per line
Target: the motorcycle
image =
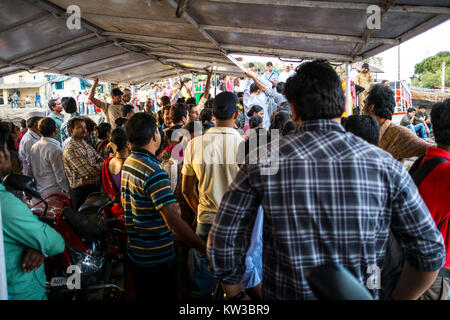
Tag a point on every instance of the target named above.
point(94, 244)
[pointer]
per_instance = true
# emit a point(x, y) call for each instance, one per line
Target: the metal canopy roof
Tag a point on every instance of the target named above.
point(136, 41)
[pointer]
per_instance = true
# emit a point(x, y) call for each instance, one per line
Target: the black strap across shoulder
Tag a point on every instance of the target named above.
point(420, 172)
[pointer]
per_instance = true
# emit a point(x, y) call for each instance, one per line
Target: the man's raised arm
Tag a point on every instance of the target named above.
point(95, 101)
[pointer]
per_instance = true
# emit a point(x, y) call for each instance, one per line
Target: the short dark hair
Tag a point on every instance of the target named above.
point(5, 131)
point(315, 91)
point(191, 101)
point(140, 129)
point(31, 122)
point(255, 121)
point(269, 64)
point(69, 104)
point(411, 110)
point(178, 111)
point(71, 122)
point(119, 138)
point(423, 107)
point(90, 124)
point(165, 100)
point(253, 88)
point(52, 104)
point(23, 123)
point(288, 128)
point(440, 119)
point(11, 143)
point(280, 87)
point(363, 126)
point(206, 115)
point(116, 92)
point(126, 109)
point(279, 119)
point(383, 100)
point(103, 129)
point(47, 127)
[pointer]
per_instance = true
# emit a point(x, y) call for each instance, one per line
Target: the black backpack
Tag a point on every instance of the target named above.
point(393, 263)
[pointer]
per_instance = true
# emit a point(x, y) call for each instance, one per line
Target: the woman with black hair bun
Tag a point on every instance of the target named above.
point(103, 131)
point(255, 110)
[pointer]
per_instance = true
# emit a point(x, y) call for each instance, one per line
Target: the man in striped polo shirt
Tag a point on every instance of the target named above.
point(152, 216)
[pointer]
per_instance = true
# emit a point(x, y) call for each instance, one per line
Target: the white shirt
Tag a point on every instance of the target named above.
point(65, 143)
point(285, 75)
point(142, 96)
point(28, 140)
point(47, 166)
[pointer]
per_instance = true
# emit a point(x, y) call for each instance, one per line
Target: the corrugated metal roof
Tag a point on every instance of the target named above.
point(136, 41)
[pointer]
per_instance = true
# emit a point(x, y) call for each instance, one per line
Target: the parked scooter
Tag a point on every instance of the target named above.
point(91, 248)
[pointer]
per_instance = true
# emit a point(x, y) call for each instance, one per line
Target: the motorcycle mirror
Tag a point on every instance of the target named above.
point(20, 182)
point(334, 282)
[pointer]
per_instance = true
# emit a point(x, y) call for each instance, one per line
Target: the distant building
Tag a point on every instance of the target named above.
point(47, 85)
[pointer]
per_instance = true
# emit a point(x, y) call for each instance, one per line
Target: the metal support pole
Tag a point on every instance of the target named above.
point(193, 86)
point(348, 94)
point(398, 63)
point(443, 77)
point(215, 84)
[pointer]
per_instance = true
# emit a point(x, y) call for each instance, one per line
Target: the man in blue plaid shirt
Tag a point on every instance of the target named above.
point(333, 199)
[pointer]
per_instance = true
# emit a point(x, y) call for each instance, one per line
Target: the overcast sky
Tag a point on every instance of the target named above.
point(415, 50)
point(412, 52)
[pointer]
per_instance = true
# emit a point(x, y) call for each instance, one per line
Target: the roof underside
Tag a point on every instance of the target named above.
point(136, 41)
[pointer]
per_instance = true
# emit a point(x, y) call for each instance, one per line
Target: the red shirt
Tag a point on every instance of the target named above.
point(435, 191)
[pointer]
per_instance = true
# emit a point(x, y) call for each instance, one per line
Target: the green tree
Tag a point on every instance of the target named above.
point(428, 73)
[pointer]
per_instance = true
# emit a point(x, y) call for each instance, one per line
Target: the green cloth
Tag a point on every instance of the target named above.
point(59, 121)
point(198, 87)
point(406, 121)
point(22, 229)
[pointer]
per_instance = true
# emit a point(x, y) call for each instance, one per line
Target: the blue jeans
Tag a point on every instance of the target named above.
point(36, 102)
point(253, 260)
point(201, 275)
point(418, 129)
point(81, 108)
point(16, 104)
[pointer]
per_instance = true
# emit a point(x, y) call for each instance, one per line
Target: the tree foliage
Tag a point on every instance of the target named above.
point(428, 72)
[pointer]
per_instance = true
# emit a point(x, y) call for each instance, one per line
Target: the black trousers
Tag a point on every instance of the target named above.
point(156, 283)
point(80, 194)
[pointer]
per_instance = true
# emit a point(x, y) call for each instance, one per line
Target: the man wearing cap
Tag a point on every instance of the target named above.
point(211, 159)
point(364, 79)
point(29, 139)
point(112, 110)
point(270, 74)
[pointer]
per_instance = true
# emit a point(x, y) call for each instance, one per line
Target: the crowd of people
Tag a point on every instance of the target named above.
point(189, 172)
